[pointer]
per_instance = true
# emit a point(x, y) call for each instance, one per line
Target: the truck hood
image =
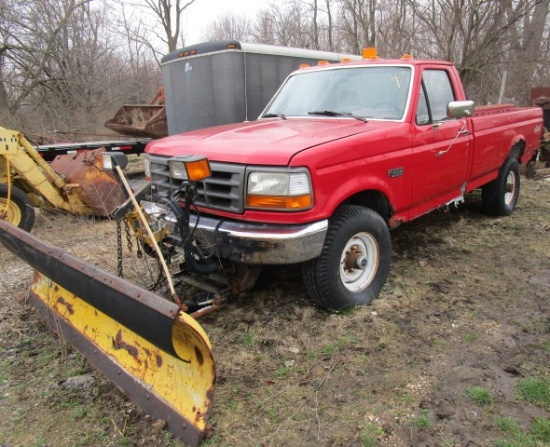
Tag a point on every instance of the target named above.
point(266, 141)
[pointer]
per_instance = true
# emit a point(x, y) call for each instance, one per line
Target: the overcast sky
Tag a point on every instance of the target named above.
point(202, 12)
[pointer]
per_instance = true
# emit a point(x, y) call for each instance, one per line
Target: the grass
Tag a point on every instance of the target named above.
point(211, 442)
point(536, 391)
point(328, 349)
point(79, 413)
point(541, 429)
point(250, 339)
point(480, 395)
point(283, 371)
point(469, 338)
point(371, 433)
point(537, 436)
point(422, 420)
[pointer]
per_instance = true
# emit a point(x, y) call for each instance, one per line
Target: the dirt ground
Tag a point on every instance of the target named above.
point(442, 358)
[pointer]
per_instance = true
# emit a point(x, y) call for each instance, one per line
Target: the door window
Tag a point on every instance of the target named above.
point(435, 94)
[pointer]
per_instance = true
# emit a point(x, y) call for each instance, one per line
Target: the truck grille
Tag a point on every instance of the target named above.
point(222, 191)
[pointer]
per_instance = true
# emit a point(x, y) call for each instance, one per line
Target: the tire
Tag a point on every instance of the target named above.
point(360, 237)
point(19, 212)
point(500, 196)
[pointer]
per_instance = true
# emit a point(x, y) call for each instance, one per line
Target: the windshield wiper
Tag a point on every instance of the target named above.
point(274, 115)
point(333, 113)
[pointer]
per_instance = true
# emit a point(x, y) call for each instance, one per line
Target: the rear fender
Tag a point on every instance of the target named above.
point(518, 148)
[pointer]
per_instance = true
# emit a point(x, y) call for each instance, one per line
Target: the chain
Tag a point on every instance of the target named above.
point(119, 249)
point(128, 235)
point(139, 241)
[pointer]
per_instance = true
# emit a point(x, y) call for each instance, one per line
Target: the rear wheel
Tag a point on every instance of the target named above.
point(355, 260)
point(18, 209)
point(500, 196)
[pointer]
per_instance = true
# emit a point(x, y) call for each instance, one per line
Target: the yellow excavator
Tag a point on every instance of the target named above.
point(76, 183)
point(149, 346)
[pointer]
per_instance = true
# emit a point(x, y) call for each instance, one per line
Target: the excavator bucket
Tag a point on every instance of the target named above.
point(156, 354)
point(97, 188)
point(141, 120)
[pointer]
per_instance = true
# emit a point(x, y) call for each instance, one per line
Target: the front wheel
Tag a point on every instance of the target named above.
point(355, 261)
point(500, 196)
point(18, 209)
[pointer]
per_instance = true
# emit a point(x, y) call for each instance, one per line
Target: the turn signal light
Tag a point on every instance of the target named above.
point(198, 170)
point(280, 202)
point(191, 168)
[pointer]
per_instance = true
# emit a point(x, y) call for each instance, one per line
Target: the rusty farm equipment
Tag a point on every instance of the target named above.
point(141, 120)
point(541, 97)
point(76, 183)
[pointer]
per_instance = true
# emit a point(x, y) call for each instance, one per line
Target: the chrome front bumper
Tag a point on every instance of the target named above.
point(249, 242)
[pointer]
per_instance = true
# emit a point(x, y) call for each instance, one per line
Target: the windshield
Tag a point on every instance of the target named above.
point(363, 92)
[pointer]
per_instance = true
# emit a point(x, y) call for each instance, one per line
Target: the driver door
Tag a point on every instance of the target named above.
point(441, 145)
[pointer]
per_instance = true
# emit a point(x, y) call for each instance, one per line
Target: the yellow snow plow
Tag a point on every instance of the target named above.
point(153, 351)
point(76, 183)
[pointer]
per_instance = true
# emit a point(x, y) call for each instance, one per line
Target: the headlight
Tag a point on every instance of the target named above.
point(177, 170)
point(279, 190)
point(190, 168)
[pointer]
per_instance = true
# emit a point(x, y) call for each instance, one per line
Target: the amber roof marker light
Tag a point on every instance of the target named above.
point(370, 54)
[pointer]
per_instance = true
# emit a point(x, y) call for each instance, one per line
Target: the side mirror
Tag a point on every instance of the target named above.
point(460, 109)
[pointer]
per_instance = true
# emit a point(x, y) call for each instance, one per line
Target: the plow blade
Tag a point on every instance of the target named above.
point(157, 355)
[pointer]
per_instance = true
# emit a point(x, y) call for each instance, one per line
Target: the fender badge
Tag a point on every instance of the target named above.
point(396, 172)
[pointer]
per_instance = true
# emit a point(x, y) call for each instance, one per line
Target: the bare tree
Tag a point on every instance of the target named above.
point(229, 26)
point(169, 13)
point(529, 46)
point(133, 28)
point(471, 33)
point(285, 24)
point(397, 29)
point(62, 68)
point(29, 33)
point(358, 23)
point(263, 30)
point(139, 20)
point(330, 34)
point(315, 25)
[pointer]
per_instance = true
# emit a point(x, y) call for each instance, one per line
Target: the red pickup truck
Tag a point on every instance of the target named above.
point(341, 154)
